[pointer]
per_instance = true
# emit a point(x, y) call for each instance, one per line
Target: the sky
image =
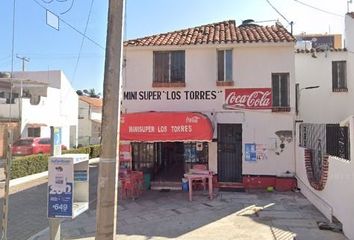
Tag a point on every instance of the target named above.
point(82, 58)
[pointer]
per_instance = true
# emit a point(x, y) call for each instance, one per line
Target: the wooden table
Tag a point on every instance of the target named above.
point(200, 176)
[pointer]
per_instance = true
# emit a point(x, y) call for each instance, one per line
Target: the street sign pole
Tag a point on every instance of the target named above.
point(55, 141)
point(54, 228)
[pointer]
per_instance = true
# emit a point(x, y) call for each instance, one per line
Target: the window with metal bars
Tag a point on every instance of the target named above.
point(143, 156)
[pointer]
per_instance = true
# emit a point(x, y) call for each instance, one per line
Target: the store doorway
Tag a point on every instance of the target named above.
point(230, 152)
point(171, 162)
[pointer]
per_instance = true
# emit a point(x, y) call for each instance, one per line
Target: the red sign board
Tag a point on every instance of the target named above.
point(165, 126)
point(248, 98)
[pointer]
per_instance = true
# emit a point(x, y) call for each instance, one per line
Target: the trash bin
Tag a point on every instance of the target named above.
point(147, 181)
point(185, 187)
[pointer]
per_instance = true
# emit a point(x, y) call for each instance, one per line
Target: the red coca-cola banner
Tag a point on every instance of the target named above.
point(248, 98)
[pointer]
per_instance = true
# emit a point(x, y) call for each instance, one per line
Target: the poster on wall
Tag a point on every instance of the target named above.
point(261, 152)
point(250, 149)
point(60, 183)
point(125, 152)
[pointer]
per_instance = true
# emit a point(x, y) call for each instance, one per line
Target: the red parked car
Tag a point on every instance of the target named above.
point(28, 146)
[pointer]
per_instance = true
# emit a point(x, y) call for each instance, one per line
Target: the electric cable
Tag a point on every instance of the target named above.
point(289, 22)
point(82, 41)
point(318, 9)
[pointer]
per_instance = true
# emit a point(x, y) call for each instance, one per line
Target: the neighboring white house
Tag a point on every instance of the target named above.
point(48, 99)
point(324, 159)
point(242, 78)
point(90, 117)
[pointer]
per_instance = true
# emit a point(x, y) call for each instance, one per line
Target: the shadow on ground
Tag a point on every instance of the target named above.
point(252, 215)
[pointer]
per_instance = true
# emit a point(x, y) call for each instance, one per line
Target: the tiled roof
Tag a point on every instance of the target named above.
point(320, 50)
point(95, 102)
point(217, 33)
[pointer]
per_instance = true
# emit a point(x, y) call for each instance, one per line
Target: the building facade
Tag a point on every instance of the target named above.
point(90, 118)
point(325, 127)
point(240, 78)
point(40, 100)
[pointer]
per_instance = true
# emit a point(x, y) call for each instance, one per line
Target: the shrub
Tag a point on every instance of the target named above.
point(28, 165)
point(31, 164)
point(85, 150)
point(95, 151)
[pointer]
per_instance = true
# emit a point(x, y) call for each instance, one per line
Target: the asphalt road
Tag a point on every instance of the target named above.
point(28, 206)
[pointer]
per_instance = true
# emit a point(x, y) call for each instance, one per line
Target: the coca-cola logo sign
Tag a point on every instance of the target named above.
point(248, 98)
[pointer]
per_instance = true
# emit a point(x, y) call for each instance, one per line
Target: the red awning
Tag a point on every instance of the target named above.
point(165, 127)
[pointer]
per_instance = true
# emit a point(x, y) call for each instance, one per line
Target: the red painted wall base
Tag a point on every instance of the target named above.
point(262, 182)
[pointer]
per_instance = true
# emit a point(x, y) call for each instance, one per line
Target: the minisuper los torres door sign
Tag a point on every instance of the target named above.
point(248, 98)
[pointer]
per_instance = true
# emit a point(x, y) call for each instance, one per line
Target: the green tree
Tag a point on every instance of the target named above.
point(92, 93)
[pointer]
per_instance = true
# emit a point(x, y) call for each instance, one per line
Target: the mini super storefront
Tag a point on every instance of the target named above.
point(166, 144)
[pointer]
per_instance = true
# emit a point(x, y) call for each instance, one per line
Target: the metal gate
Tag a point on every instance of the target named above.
point(230, 152)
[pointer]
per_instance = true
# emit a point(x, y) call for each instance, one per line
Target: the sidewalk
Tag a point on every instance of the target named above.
point(169, 215)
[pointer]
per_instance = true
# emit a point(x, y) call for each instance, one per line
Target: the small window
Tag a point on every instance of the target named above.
point(34, 132)
point(224, 65)
point(339, 76)
point(280, 92)
point(169, 68)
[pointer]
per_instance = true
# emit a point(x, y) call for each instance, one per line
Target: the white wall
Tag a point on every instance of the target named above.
point(337, 197)
point(59, 108)
point(252, 68)
point(349, 33)
point(321, 105)
point(85, 126)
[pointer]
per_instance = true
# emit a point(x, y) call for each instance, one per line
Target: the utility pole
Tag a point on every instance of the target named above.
point(24, 59)
point(106, 217)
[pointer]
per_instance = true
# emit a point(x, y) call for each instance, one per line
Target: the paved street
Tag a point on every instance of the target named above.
point(241, 216)
point(28, 206)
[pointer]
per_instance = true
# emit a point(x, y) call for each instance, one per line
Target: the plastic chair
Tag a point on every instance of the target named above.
point(127, 188)
point(138, 181)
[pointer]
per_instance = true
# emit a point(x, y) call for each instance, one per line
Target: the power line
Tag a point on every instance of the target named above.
point(72, 27)
point(82, 41)
point(289, 22)
point(278, 12)
point(318, 9)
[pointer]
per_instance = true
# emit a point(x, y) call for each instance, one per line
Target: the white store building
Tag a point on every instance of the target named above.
point(238, 80)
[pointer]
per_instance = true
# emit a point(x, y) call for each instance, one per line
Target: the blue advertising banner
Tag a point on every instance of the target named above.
point(60, 188)
point(60, 203)
point(251, 154)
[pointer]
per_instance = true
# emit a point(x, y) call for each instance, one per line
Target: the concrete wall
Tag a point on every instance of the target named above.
point(337, 198)
point(10, 110)
point(322, 105)
point(253, 65)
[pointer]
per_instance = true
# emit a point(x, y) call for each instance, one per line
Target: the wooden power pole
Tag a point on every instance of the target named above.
point(108, 167)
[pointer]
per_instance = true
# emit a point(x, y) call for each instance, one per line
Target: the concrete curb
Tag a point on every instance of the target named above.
point(36, 176)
